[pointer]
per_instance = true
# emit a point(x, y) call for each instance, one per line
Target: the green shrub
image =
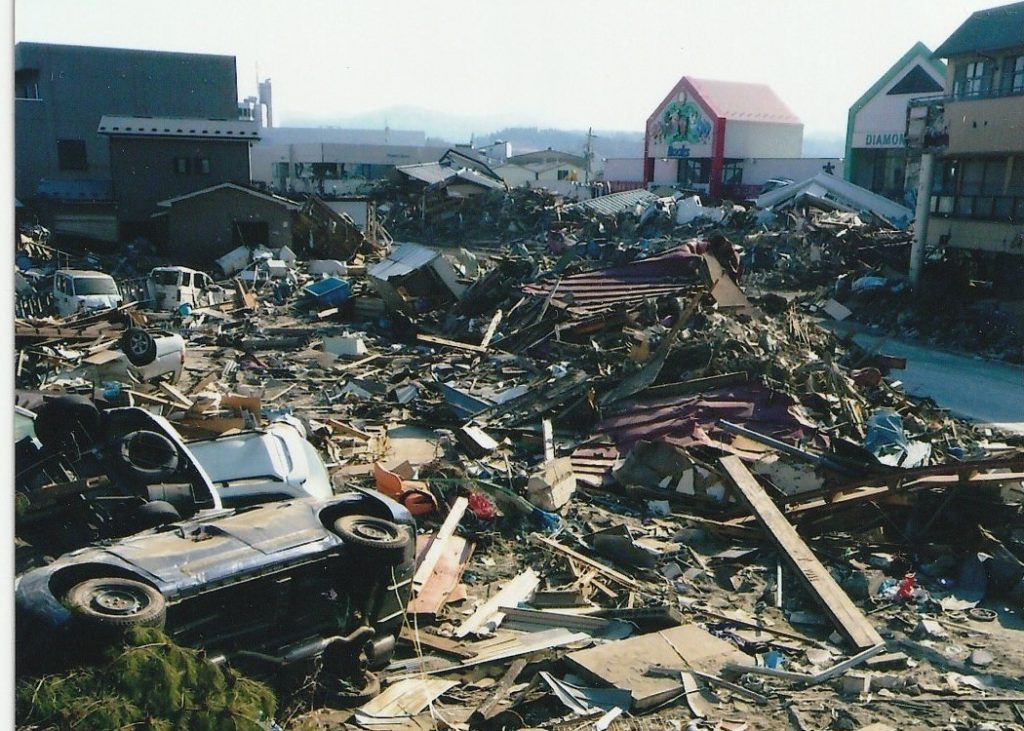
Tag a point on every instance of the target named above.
point(148, 684)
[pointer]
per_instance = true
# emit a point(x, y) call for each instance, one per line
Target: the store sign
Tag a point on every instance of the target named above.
point(878, 139)
point(676, 149)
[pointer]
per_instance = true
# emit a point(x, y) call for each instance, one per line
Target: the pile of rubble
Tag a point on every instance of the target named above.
point(639, 495)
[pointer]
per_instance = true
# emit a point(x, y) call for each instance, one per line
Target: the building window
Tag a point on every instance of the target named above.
point(182, 165)
point(201, 166)
point(563, 174)
point(71, 155)
point(324, 170)
point(1013, 75)
point(970, 79)
point(693, 171)
point(732, 173)
point(26, 84)
point(280, 170)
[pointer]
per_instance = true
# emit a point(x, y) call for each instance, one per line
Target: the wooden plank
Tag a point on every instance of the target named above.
point(435, 340)
point(607, 572)
point(850, 621)
point(520, 589)
point(438, 547)
point(624, 663)
point(444, 579)
point(489, 707)
point(491, 330)
point(177, 396)
point(549, 440)
point(435, 642)
point(208, 379)
point(351, 431)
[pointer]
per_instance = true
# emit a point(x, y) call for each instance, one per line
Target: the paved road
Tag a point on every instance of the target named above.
point(983, 391)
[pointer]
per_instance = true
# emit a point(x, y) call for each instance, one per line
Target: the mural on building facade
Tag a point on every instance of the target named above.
point(679, 123)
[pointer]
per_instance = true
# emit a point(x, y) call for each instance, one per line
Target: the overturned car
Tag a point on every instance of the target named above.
point(276, 583)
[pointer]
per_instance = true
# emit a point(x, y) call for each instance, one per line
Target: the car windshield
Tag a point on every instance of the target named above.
point(95, 285)
point(164, 277)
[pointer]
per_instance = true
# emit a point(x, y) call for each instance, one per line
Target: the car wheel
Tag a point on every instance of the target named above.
point(117, 603)
point(374, 533)
point(349, 695)
point(149, 455)
point(139, 346)
point(155, 513)
point(64, 418)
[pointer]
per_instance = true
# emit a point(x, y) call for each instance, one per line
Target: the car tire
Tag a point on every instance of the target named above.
point(148, 455)
point(347, 696)
point(138, 346)
point(155, 513)
point(115, 603)
point(372, 533)
point(64, 418)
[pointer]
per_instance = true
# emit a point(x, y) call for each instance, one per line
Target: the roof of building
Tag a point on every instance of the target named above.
point(613, 203)
point(270, 197)
point(76, 48)
point(744, 102)
point(918, 50)
point(434, 173)
point(547, 156)
point(993, 29)
point(404, 259)
point(219, 129)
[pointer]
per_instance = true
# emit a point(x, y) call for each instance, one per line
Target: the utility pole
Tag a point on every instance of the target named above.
point(588, 153)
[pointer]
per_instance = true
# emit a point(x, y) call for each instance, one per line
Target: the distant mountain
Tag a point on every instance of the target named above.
point(824, 144)
point(605, 143)
point(450, 127)
point(443, 128)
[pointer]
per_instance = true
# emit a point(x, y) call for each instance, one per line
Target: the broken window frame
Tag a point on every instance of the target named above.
point(732, 172)
point(26, 85)
point(697, 171)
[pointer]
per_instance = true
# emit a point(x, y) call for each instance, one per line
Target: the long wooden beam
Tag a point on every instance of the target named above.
point(850, 621)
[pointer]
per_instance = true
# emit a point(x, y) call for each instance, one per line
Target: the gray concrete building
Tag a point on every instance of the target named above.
point(62, 161)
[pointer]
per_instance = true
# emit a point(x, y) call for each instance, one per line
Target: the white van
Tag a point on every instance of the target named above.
point(168, 288)
point(76, 290)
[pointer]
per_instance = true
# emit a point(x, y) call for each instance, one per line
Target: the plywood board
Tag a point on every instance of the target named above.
point(624, 664)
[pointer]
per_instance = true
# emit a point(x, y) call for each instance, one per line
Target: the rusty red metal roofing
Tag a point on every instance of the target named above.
point(690, 420)
point(597, 291)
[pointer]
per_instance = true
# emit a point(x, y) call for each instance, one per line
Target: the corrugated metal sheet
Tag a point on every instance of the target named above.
point(405, 258)
point(611, 205)
point(428, 172)
point(600, 290)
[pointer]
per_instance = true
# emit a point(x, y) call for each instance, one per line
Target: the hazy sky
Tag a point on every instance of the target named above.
point(559, 63)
